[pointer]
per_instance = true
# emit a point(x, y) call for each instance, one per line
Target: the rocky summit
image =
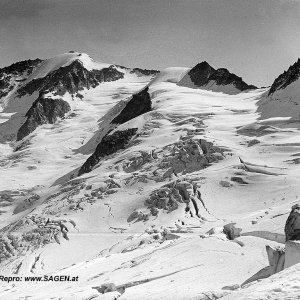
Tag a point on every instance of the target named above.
point(203, 75)
point(71, 78)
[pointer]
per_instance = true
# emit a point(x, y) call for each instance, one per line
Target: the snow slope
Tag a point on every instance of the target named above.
point(113, 236)
point(282, 99)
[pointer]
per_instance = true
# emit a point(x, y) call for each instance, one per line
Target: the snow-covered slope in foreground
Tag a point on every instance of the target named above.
point(134, 224)
point(284, 286)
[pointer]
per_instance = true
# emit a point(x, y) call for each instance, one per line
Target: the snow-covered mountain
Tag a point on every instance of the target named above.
point(206, 77)
point(31, 96)
point(132, 179)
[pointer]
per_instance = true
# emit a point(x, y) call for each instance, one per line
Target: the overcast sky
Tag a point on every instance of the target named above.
point(253, 39)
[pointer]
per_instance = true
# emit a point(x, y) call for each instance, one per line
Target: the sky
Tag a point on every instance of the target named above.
point(255, 39)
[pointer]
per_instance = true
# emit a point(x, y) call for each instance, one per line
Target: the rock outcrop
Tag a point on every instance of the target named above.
point(292, 225)
point(286, 78)
point(71, 78)
point(11, 75)
point(203, 74)
point(110, 144)
point(139, 104)
point(43, 111)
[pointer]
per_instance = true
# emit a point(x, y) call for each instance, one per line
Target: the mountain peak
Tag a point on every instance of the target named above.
point(204, 64)
point(203, 75)
point(62, 60)
point(204, 68)
point(71, 77)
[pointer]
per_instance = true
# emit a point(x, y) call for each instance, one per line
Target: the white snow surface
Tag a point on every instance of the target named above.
point(104, 247)
point(282, 103)
point(172, 74)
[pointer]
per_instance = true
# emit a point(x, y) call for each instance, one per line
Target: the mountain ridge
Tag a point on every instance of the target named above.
point(286, 78)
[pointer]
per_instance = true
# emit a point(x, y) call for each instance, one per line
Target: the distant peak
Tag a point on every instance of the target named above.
point(204, 65)
point(203, 74)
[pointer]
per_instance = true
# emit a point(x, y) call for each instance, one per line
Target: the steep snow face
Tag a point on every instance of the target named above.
point(221, 80)
point(282, 99)
point(173, 165)
point(284, 286)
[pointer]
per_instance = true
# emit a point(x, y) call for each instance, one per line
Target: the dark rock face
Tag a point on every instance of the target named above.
point(107, 74)
point(144, 71)
point(224, 77)
point(43, 111)
point(200, 73)
point(31, 87)
point(286, 78)
point(109, 145)
point(203, 73)
point(15, 71)
point(292, 225)
point(139, 104)
point(22, 66)
point(72, 79)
